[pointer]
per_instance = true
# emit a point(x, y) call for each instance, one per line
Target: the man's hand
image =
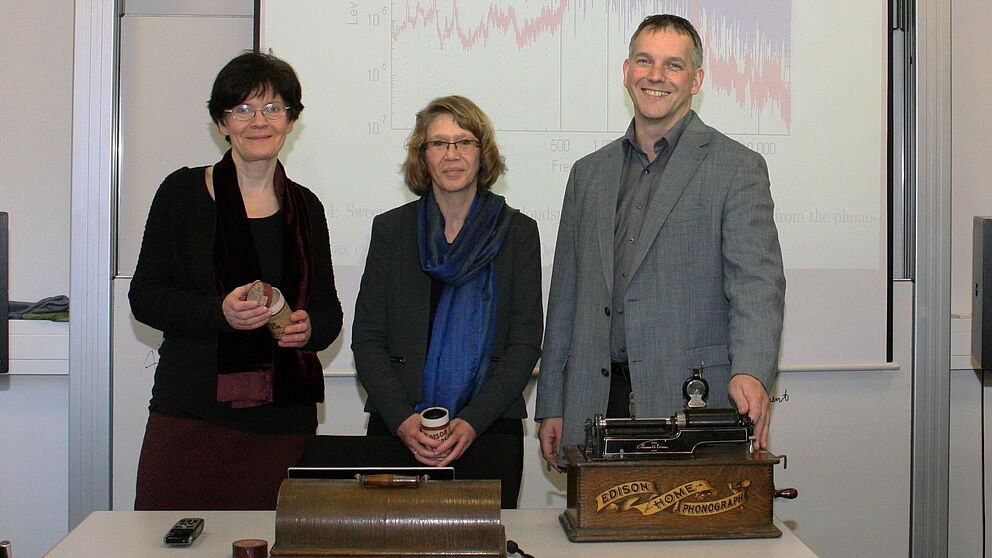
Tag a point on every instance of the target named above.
point(550, 435)
point(752, 400)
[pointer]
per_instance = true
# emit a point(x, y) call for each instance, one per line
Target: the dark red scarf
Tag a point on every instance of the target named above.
point(252, 369)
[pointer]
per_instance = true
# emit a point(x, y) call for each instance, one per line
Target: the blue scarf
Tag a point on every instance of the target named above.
point(458, 358)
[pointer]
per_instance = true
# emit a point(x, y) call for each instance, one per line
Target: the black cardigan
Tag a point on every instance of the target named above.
point(173, 290)
point(392, 314)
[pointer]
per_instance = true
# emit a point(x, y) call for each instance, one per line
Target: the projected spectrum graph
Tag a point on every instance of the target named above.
point(561, 61)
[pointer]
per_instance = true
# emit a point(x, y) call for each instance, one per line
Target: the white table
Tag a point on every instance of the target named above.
point(139, 534)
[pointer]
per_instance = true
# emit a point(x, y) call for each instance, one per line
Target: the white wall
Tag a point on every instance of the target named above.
point(965, 531)
point(971, 137)
point(971, 177)
point(34, 469)
point(36, 89)
point(847, 439)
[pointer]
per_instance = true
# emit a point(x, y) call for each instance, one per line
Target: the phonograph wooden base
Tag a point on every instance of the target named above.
point(717, 494)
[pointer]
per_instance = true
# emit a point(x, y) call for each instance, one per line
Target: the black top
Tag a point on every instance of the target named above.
point(173, 290)
point(267, 235)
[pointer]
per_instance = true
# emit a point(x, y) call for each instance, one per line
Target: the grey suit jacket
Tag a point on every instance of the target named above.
point(392, 313)
point(706, 288)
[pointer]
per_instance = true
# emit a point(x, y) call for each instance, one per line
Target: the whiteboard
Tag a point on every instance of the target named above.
point(803, 83)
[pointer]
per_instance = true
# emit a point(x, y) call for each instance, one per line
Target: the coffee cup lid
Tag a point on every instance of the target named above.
point(430, 422)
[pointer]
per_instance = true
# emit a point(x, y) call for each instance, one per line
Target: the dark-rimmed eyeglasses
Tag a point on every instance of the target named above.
point(441, 146)
point(271, 111)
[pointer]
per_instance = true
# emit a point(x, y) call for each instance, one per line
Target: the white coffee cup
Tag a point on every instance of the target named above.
point(435, 424)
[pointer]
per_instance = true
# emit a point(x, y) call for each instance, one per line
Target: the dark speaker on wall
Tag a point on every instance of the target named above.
point(4, 324)
point(981, 295)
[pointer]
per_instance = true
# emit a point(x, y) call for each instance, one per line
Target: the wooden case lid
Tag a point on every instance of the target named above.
point(388, 517)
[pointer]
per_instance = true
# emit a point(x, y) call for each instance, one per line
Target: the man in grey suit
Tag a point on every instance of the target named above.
point(667, 260)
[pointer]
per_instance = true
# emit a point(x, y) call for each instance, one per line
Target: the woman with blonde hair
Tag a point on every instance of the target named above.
point(449, 312)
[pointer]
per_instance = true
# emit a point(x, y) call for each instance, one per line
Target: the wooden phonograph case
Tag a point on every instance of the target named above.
point(389, 516)
point(690, 476)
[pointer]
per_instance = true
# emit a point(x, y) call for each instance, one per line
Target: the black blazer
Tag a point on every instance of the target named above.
point(392, 316)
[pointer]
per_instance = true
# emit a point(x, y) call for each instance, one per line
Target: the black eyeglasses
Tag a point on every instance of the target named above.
point(271, 111)
point(441, 146)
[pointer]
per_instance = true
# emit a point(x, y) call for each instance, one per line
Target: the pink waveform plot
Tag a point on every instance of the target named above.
point(747, 45)
point(525, 30)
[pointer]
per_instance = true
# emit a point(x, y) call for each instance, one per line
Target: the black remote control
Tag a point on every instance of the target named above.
point(184, 531)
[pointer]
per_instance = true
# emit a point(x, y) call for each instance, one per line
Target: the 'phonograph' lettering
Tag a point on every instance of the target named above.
point(688, 499)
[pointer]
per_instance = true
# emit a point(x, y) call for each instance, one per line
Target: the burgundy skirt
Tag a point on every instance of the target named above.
point(190, 464)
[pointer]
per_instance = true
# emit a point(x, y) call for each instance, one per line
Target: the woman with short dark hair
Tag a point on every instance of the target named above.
point(449, 312)
point(234, 401)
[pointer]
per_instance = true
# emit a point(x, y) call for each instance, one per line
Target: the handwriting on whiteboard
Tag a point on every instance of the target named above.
point(151, 359)
point(779, 398)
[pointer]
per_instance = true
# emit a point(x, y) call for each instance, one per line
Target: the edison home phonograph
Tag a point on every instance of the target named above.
point(695, 475)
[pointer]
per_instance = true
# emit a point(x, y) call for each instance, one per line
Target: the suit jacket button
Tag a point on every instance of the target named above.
point(604, 372)
point(607, 310)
